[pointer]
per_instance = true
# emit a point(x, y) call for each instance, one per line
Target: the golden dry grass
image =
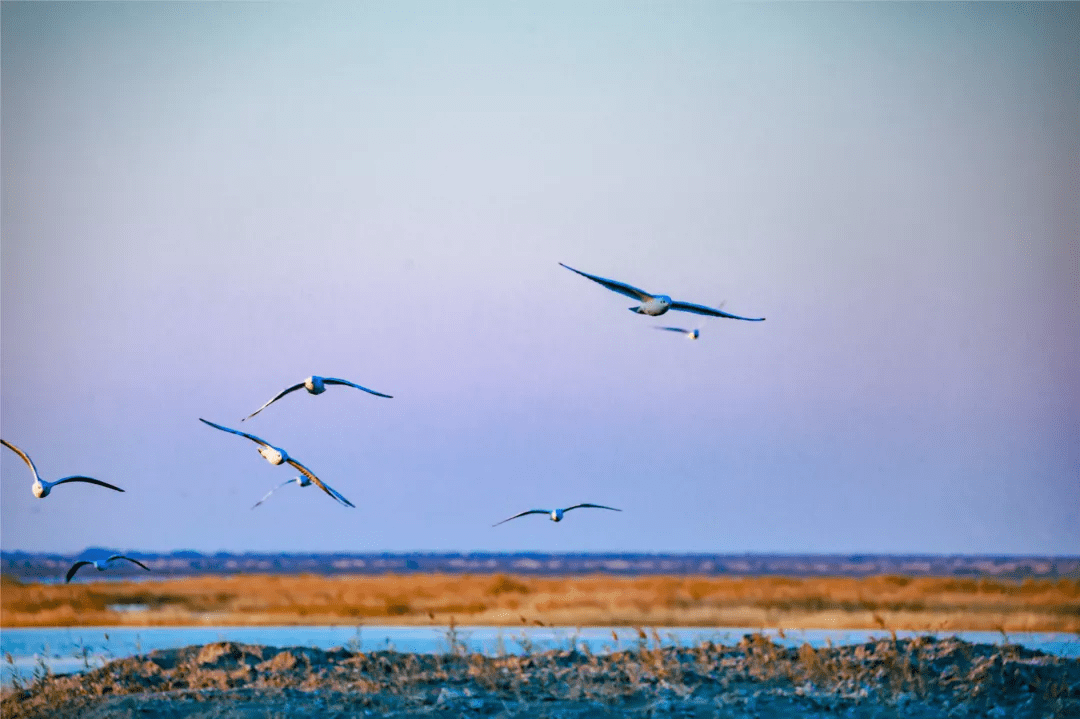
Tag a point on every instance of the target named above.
point(919, 603)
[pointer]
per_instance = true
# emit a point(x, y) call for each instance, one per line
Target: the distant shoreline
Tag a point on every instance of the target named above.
point(31, 566)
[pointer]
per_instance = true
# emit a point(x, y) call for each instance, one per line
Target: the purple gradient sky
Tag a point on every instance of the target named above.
point(205, 203)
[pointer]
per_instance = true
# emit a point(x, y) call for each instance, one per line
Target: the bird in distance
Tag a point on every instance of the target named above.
point(690, 334)
point(276, 455)
point(301, 480)
point(556, 515)
point(656, 305)
point(42, 488)
point(100, 565)
point(315, 385)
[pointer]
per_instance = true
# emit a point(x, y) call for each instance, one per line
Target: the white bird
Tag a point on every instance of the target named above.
point(301, 480)
point(41, 487)
point(100, 565)
point(555, 515)
point(276, 455)
point(656, 305)
point(315, 385)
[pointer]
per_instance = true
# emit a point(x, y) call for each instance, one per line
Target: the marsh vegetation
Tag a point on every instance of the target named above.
point(920, 677)
point(892, 602)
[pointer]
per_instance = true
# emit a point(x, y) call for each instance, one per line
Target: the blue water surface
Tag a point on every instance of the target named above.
point(72, 649)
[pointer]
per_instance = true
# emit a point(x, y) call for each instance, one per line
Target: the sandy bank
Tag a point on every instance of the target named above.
point(912, 678)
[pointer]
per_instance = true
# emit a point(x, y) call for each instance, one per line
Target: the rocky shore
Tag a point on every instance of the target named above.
point(920, 677)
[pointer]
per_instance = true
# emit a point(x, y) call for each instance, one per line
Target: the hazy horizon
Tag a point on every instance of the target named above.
point(206, 203)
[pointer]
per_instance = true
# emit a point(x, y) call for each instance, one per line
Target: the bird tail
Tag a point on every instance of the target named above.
point(635, 309)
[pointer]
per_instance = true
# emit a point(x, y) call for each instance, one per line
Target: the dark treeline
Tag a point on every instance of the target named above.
point(35, 566)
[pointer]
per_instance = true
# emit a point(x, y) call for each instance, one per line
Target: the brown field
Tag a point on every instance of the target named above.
point(894, 602)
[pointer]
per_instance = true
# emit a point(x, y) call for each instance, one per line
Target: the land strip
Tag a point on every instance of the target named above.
point(890, 602)
point(914, 678)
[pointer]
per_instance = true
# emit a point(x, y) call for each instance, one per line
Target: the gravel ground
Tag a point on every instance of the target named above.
point(919, 677)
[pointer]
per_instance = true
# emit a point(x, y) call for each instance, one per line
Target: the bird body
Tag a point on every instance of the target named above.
point(276, 455)
point(314, 385)
point(100, 565)
point(655, 305)
point(41, 488)
point(556, 515)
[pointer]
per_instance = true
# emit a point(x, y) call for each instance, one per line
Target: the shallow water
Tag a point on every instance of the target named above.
point(72, 649)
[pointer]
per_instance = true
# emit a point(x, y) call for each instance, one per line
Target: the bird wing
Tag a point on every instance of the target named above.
point(24, 455)
point(331, 380)
point(322, 485)
point(278, 396)
point(621, 287)
point(74, 568)
point(89, 480)
point(271, 492)
point(594, 506)
point(133, 561)
point(531, 511)
point(252, 437)
point(680, 330)
point(703, 310)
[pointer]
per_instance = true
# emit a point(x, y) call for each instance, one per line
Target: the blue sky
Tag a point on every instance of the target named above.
point(205, 203)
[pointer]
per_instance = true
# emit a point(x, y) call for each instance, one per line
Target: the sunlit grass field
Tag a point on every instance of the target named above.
point(895, 602)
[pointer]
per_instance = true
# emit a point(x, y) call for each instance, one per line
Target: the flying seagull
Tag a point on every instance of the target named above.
point(555, 515)
point(276, 455)
point(100, 565)
point(315, 385)
point(41, 487)
point(302, 481)
point(656, 305)
point(691, 334)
